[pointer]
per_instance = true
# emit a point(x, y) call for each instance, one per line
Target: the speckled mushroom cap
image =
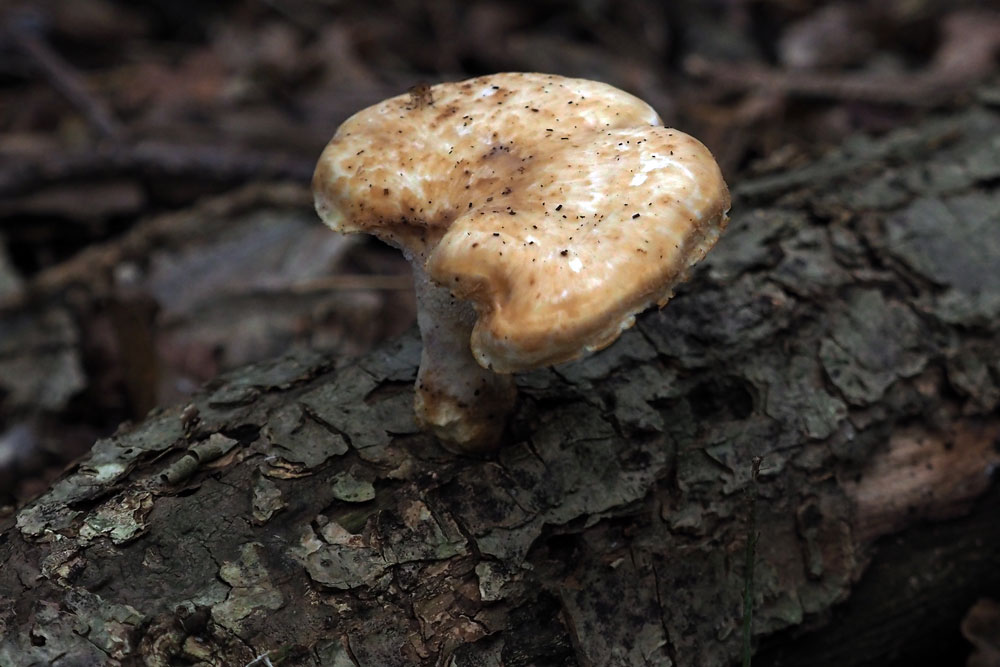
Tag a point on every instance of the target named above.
point(560, 207)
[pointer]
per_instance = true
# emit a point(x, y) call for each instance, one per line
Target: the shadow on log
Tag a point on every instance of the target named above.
point(845, 330)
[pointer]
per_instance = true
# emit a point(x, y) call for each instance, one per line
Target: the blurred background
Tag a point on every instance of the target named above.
point(156, 227)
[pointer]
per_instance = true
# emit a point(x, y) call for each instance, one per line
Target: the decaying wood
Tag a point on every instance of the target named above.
point(845, 330)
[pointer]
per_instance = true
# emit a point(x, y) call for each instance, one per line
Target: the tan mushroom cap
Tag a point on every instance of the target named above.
point(559, 207)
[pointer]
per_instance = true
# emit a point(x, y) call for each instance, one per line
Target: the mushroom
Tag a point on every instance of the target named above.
point(540, 213)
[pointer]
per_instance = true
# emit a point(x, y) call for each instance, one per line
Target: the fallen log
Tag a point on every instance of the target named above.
point(846, 330)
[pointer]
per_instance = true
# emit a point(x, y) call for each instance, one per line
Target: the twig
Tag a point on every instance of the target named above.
point(23, 30)
point(93, 265)
point(749, 562)
point(213, 163)
point(263, 658)
point(352, 282)
point(927, 89)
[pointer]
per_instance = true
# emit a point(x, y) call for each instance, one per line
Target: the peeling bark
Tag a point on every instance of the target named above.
point(846, 330)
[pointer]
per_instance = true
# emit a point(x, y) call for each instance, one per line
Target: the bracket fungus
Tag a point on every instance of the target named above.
point(540, 213)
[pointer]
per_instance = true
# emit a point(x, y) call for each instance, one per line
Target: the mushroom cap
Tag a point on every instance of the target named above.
point(560, 207)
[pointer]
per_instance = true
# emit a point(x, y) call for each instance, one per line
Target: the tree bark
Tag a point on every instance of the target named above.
point(846, 330)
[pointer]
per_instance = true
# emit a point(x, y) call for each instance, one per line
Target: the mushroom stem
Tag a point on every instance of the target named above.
point(462, 403)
